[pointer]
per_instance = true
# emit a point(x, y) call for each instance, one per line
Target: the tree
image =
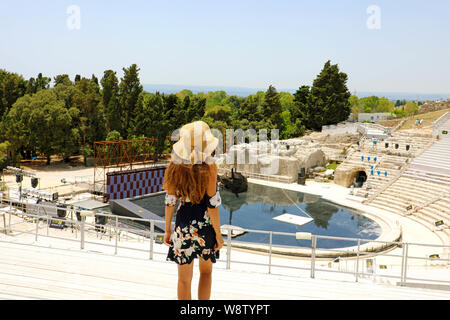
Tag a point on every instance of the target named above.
point(219, 113)
point(12, 87)
point(62, 79)
point(356, 106)
point(329, 95)
point(130, 90)
point(411, 108)
point(173, 112)
point(327, 102)
point(153, 121)
point(41, 122)
point(15, 126)
point(87, 100)
point(303, 114)
point(40, 83)
point(385, 105)
point(195, 108)
point(113, 135)
point(271, 109)
point(110, 99)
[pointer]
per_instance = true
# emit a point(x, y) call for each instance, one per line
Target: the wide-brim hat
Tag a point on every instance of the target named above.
point(196, 143)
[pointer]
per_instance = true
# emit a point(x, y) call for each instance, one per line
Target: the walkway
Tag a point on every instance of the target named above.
point(35, 271)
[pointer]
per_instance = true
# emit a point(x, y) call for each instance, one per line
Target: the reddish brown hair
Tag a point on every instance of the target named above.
point(187, 180)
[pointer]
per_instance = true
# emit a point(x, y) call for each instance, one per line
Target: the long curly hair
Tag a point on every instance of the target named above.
point(189, 180)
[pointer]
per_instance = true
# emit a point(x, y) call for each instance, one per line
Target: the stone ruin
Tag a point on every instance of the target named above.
point(282, 160)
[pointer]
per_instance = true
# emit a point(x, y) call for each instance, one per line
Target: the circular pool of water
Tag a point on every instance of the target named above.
point(257, 208)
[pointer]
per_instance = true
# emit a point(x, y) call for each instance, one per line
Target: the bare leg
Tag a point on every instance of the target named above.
point(204, 284)
point(185, 273)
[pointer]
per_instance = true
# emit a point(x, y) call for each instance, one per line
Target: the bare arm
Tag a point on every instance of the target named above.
point(214, 212)
point(170, 202)
point(168, 215)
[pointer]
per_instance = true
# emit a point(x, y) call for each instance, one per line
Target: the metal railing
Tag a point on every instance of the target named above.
point(437, 124)
point(365, 250)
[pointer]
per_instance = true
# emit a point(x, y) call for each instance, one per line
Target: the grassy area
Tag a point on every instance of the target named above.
point(428, 119)
point(333, 165)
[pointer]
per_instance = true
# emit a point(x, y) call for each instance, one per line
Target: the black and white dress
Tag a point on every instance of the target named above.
point(194, 234)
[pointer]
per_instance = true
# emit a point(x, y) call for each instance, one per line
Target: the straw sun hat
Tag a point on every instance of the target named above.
point(196, 143)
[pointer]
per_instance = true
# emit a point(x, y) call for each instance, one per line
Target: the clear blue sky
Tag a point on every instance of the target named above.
point(249, 43)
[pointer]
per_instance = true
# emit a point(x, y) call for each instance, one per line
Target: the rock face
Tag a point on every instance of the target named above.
point(285, 158)
point(345, 176)
point(430, 106)
point(236, 182)
point(311, 158)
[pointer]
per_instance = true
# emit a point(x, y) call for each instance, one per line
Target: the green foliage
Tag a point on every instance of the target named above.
point(110, 101)
point(326, 102)
point(113, 136)
point(130, 90)
point(411, 108)
point(271, 109)
point(12, 87)
point(42, 123)
point(4, 147)
point(333, 165)
point(68, 118)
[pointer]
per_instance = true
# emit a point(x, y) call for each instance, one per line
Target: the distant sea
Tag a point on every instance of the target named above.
point(244, 92)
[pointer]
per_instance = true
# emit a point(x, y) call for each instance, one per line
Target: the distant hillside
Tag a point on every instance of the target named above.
point(244, 92)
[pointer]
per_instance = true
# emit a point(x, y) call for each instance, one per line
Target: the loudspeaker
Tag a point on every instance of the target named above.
point(301, 180)
point(61, 213)
point(100, 220)
point(303, 172)
point(34, 182)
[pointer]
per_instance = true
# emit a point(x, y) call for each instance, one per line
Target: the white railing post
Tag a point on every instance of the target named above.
point(313, 255)
point(152, 231)
point(357, 261)
point(117, 234)
point(270, 251)
point(404, 264)
point(82, 231)
point(37, 227)
point(229, 249)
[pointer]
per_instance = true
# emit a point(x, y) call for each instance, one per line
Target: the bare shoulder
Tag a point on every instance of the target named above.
point(213, 168)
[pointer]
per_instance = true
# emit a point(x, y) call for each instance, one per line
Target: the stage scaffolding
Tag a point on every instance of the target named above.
point(121, 155)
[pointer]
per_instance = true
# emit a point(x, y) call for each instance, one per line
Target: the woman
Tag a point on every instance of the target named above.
point(191, 179)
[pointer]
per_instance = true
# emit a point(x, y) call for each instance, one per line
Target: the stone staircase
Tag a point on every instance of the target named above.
point(436, 159)
point(389, 167)
point(423, 190)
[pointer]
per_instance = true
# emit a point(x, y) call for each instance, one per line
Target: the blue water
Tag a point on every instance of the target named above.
point(244, 92)
point(256, 208)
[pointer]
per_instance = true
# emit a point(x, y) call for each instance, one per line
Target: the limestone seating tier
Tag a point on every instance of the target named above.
point(419, 186)
point(408, 190)
point(435, 213)
point(435, 159)
point(416, 144)
point(390, 164)
point(427, 177)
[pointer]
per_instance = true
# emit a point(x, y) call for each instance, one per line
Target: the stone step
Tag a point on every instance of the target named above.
point(429, 179)
point(435, 215)
point(408, 186)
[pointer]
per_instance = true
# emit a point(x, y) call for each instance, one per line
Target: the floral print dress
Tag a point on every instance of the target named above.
point(194, 234)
